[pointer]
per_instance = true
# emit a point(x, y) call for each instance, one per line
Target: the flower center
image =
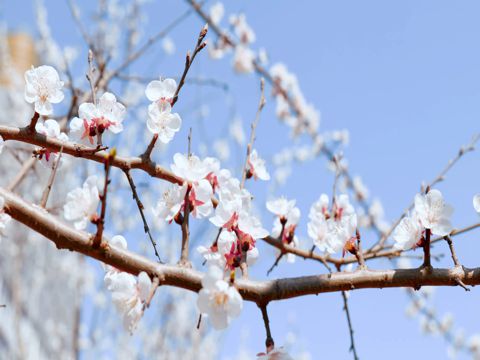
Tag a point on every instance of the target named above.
point(220, 298)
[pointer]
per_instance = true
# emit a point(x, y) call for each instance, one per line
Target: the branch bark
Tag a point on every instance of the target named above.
point(260, 292)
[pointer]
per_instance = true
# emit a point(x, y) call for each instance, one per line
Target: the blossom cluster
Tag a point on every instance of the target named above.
point(304, 117)
point(43, 87)
point(202, 180)
point(335, 230)
point(430, 213)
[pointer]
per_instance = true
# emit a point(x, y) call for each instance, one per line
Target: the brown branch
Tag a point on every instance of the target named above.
point(260, 292)
point(46, 192)
point(156, 171)
point(140, 207)
point(97, 155)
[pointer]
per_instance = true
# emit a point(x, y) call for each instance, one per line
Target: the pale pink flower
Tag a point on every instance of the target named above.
point(408, 232)
point(161, 121)
point(51, 129)
point(256, 167)
point(171, 202)
point(217, 299)
point(108, 114)
point(161, 90)
point(43, 87)
point(81, 204)
point(433, 212)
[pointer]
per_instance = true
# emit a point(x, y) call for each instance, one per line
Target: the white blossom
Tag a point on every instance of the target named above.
point(171, 202)
point(220, 301)
point(50, 128)
point(43, 87)
point(433, 213)
point(330, 232)
point(256, 167)
point(189, 167)
point(243, 60)
point(215, 255)
point(161, 121)
point(81, 204)
point(129, 295)
point(280, 207)
point(195, 171)
point(161, 90)
point(108, 114)
point(244, 32)
point(226, 214)
point(408, 233)
point(2, 144)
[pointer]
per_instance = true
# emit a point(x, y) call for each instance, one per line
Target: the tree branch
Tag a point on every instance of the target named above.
point(260, 292)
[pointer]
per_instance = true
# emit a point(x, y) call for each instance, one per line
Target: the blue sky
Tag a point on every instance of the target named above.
point(403, 77)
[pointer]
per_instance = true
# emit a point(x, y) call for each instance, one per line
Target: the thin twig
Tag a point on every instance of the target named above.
point(151, 41)
point(90, 75)
point(148, 152)
point(261, 104)
point(448, 239)
point(277, 260)
point(189, 61)
point(279, 257)
point(46, 192)
point(269, 343)
point(76, 18)
point(153, 288)
point(100, 222)
point(350, 326)
point(140, 207)
point(359, 252)
point(22, 173)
